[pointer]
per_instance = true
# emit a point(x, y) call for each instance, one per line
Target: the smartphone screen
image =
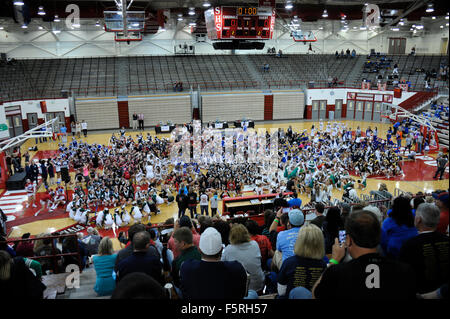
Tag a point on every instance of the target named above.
point(341, 236)
point(286, 210)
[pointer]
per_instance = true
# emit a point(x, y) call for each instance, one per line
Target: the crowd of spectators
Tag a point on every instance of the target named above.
point(286, 257)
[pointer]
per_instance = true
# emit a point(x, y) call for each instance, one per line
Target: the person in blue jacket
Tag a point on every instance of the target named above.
point(398, 227)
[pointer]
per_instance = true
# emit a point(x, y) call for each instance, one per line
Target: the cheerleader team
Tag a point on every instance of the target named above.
point(140, 173)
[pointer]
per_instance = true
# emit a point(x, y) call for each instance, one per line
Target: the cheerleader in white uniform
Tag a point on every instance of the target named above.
point(108, 220)
point(78, 214)
point(117, 217)
point(99, 218)
point(149, 172)
point(84, 217)
point(125, 216)
point(73, 211)
point(136, 213)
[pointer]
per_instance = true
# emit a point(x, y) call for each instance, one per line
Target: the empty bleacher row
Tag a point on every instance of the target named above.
point(411, 68)
point(99, 76)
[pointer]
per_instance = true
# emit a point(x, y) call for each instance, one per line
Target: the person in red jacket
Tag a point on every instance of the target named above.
point(442, 203)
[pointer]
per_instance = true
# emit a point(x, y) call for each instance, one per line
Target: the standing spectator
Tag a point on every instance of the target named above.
point(305, 267)
point(192, 202)
point(330, 80)
point(413, 50)
point(419, 142)
point(78, 129)
point(441, 200)
point(182, 203)
point(247, 252)
point(183, 240)
point(140, 261)
point(352, 280)
point(214, 204)
point(427, 253)
point(104, 264)
point(441, 161)
point(84, 127)
point(135, 121)
point(211, 278)
point(398, 227)
point(204, 201)
point(63, 133)
point(141, 121)
point(16, 279)
point(347, 53)
point(353, 53)
point(73, 128)
point(44, 172)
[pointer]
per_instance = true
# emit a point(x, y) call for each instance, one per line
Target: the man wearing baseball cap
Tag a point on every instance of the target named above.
point(211, 278)
point(286, 239)
point(442, 202)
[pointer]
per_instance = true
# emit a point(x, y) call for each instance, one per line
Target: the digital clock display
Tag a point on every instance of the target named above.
point(252, 11)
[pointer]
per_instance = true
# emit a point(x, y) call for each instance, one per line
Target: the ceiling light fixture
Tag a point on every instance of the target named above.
point(97, 24)
point(206, 4)
point(18, 3)
point(289, 5)
point(56, 19)
point(430, 7)
point(41, 11)
point(191, 11)
point(24, 26)
point(325, 14)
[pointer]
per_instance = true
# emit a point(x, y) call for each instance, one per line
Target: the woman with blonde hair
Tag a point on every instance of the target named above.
point(304, 268)
point(247, 252)
point(104, 263)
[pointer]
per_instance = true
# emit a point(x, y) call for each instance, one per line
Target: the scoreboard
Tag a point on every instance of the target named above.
point(224, 23)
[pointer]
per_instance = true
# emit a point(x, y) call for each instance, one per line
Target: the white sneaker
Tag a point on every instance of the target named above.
point(34, 205)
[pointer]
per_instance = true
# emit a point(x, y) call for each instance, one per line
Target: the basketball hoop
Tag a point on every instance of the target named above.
point(300, 36)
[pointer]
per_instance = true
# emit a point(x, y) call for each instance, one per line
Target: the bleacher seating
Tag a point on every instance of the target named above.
point(99, 76)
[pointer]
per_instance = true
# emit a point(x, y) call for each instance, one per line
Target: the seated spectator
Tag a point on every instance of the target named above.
point(320, 217)
point(398, 227)
point(184, 221)
point(353, 53)
point(263, 242)
point(211, 278)
point(247, 252)
point(183, 240)
point(43, 247)
point(286, 239)
point(358, 278)
point(17, 281)
point(25, 248)
point(104, 263)
point(128, 250)
point(330, 81)
point(331, 227)
point(427, 252)
point(269, 216)
point(279, 224)
point(382, 192)
point(224, 230)
point(345, 211)
point(139, 285)
point(441, 200)
point(34, 266)
point(73, 245)
point(140, 260)
point(92, 240)
point(376, 211)
point(295, 202)
point(305, 267)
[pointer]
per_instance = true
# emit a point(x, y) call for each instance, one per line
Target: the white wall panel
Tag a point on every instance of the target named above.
point(288, 106)
point(161, 109)
point(99, 114)
point(231, 107)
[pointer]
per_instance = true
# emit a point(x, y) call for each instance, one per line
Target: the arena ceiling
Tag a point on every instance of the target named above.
point(306, 10)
